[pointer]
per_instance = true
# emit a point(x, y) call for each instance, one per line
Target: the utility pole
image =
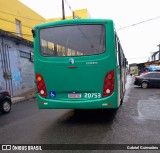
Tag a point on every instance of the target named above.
point(73, 14)
point(63, 11)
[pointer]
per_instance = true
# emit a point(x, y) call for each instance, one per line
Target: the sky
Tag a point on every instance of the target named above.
point(137, 22)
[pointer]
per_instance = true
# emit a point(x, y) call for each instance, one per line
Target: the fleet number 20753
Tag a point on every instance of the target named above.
point(92, 95)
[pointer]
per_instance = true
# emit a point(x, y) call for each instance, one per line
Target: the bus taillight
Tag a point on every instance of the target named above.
point(41, 85)
point(108, 84)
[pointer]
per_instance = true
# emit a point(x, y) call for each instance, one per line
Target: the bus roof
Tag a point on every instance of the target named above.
point(73, 21)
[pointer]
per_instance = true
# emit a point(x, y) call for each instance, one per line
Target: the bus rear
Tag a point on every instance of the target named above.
point(75, 64)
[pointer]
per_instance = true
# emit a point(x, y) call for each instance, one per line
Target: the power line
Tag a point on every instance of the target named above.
point(21, 16)
point(138, 57)
point(10, 31)
point(14, 22)
point(68, 5)
point(141, 22)
point(23, 34)
point(28, 35)
point(74, 16)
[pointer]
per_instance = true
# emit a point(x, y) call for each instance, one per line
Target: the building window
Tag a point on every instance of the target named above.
point(18, 28)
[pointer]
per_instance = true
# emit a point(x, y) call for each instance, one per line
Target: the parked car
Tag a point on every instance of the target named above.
point(5, 101)
point(150, 79)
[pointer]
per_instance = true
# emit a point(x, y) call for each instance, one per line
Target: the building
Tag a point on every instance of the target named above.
point(16, 63)
point(155, 55)
point(133, 69)
point(16, 44)
point(83, 13)
point(153, 64)
point(18, 19)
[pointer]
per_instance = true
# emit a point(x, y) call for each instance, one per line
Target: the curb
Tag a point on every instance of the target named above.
point(20, 99)
point(17, 99)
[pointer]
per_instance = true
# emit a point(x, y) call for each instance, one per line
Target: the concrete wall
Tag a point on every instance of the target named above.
point(15, 61)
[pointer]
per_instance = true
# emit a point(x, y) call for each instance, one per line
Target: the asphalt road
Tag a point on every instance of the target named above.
point(137, 121)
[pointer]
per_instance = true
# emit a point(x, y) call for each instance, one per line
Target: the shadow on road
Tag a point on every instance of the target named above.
point(91, 116)
point(82, 126)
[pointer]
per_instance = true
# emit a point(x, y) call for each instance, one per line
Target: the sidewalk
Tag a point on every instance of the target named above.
point(20, 99)
point(17, 99)
point(24, 96)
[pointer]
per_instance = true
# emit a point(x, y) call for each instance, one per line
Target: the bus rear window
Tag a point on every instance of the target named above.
point(74, 40)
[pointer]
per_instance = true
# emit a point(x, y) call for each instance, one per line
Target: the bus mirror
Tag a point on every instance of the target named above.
point(33, 33)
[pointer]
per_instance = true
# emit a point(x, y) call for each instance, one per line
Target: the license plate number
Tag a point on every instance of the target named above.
point(74, 95)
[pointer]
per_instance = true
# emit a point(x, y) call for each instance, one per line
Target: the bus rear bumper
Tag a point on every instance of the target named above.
point(101, 103)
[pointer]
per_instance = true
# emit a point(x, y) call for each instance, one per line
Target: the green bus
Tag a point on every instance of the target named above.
point(79, 64)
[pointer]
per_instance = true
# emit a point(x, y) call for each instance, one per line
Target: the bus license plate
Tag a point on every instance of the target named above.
point(74, 95)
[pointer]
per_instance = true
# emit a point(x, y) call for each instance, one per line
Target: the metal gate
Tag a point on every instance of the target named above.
point(6, 67)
